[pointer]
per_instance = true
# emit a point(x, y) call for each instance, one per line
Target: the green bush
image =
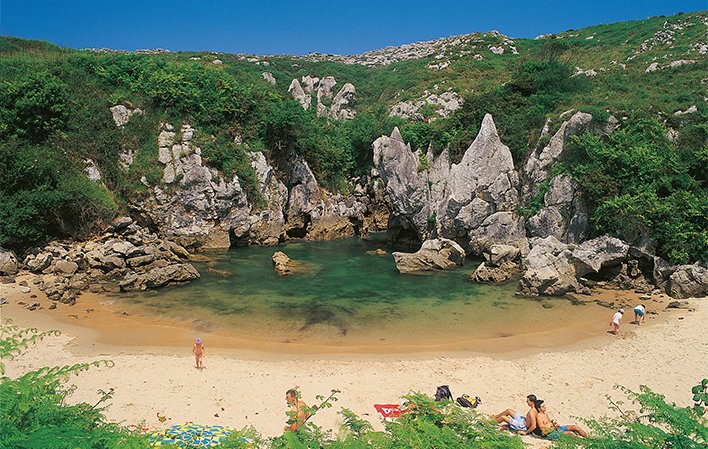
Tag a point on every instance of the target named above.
point(637, 181)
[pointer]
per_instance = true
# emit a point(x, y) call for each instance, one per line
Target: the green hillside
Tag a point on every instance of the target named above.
point(54, 105)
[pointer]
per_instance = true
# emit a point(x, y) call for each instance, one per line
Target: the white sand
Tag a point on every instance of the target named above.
point(249, 389)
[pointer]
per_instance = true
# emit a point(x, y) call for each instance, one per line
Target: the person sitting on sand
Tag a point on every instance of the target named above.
point(198, 350)
point(298, 411)
point(517, 422)
point(639, 313)
point(616, 321)
point(549, 429)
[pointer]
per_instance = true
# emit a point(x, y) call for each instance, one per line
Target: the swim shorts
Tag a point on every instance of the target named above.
point(639, 311)
point(557, 433)
point(518, 422)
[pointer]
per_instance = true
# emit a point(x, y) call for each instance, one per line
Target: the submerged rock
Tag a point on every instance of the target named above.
point(437, 254)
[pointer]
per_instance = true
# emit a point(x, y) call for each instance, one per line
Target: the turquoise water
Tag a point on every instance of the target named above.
point(342, 296)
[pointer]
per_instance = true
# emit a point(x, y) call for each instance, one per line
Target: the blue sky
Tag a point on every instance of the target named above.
point(274, 27)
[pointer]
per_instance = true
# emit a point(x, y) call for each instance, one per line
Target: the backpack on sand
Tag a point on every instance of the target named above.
point(466, 401)
point(443, 392)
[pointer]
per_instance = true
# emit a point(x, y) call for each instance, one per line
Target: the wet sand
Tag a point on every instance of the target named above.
point(572, 365)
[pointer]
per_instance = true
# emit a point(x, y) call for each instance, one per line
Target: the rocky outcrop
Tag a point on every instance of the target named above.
point(343, 103)
point(268, 77)
point(486, 274)
point(688, 281)
point(437, 254)
point(564, 214)
point(121, 114)
point(8, 263)
point(126, 257)
point(195, 206)
point(598, 254)
point(295, 91)
point(336, 107)
point(446, 103)
point(483, 194)
point(473, 202)
point(548, 269)
point(406, 187)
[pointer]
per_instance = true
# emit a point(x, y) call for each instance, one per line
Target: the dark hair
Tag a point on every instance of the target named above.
point(292, 393)
point(537, 404)
point(531, 397)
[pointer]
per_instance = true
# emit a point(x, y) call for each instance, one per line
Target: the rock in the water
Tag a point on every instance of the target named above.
point(437, 254)
point(8, 263)
point(688, 281)
point(492, 274)
point(282, 263)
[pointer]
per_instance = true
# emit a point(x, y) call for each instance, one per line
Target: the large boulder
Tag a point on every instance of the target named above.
point(282, 264)
point(437, 254)
point(295, 91)
point(489, 274)
point(343, 103)
point(688, 281)
point(548, 269)
point(598, 254)
point(8, 263)
point(159, 276)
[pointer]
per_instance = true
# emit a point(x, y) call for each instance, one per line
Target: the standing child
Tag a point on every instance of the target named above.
point(639, 313)
point(616, 320)
point(198, 351)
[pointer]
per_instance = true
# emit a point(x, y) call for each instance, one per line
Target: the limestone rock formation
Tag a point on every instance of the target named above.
point(282, 263)
point(688, 281)
point(8, 263)
point(126, 257)
point(548, 269)
point(121, 114)
point(598, 254)
point(447, 103)
point(269, 77)
point(485, 274)
point(201, 207)
point(436, 254)
point(296, 92)
point(473, 202)
point(343, 103)
point(563, 199)
point(406, 188)
point(564, 213)
point(483, 194)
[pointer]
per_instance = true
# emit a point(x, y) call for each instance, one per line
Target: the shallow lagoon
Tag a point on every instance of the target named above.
point(347, 297)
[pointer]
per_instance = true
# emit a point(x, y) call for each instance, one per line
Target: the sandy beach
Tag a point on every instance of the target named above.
point(242, 386)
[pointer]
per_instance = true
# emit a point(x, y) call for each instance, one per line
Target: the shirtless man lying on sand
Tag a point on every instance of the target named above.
point(517, 422)
point(548, 429)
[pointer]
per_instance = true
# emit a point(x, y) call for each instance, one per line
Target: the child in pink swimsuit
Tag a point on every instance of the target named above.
point(198, 351)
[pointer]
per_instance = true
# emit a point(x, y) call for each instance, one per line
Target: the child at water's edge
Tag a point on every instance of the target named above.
point(198, 351)
point(616, 320)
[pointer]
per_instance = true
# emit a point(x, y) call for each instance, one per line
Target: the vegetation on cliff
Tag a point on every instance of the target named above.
point(54, 110)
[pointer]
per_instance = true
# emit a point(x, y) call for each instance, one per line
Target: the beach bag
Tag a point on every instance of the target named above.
point(466, 401)
point(443, 392)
